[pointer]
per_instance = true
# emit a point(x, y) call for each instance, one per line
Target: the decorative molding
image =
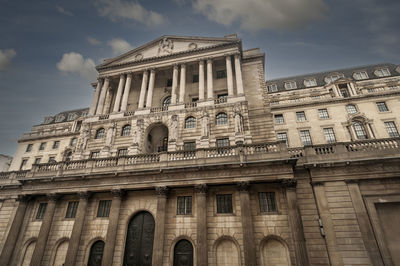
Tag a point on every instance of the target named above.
point(84, 195)
point(162, 190)
point(117, 193)
point(289, 183)
point(24, 198)
point(53, 197)
point(317, 183)
point(243, 186)
point(351, 181)
point(201, 188)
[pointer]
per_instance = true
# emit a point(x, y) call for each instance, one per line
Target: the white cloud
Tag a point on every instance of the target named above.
point(5, 57)
point(64, 11)
point(119, 46)
point(93, 41)
point(255, 15)
point(75, 63)
point(122, 9)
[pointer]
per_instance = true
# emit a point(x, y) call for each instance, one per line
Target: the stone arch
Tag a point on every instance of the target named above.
point(96, 253)
point(28, 249)
point(175, 241)
point(274, 251)
point(227, 252)
point(59, 252)
point(89, 246)
point(156, 138)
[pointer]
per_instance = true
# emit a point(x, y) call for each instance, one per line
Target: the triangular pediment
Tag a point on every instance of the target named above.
point(168, 45)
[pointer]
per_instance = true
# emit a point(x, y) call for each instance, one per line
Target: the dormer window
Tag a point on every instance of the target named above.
point(290, 85)
point(333, 78)
point(360, 75)
point(310, 82)
point(272, 88)
point(382, 72)
point(72, 116)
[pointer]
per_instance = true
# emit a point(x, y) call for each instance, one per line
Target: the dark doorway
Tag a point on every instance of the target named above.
point(96, 253)
point(183, 253)
point(139, 240)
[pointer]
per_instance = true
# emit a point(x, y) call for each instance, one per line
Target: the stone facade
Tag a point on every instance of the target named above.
point(179, 161)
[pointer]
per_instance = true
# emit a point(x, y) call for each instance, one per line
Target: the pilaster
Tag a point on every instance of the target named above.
point(201, 218)
point(158, 247)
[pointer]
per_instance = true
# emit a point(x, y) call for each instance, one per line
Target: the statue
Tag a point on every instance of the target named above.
point(111, 134)
point(165, 46)
point(174, 128)
point(138, 133)
point(238, 119)
point(205, 124)
point(84, 137)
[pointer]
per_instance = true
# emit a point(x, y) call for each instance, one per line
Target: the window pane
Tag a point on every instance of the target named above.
point(100, 133)
point(323, 113)
point(224, 203)
point(329, 135)
point(122, 152)
point(184, 205)
point(189, 146)
point(221, 74)
point(360, 130)
point(221, 119)
point(222, 143)
point(351, 109)
point(305, 137)
point(126, 130)
point(272, 88)
point(71, 209)
point(267, 201)
point(382, 107)
point(392, 129)
point(41, 210)
point(283, 136)
point(195, 78)
point(279, 119)
point(37, 160)
point(104, 208)
point(29, 147)
point(301, 116)
point(190, 122)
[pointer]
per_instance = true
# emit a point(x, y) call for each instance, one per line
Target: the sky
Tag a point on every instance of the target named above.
point(48, 49)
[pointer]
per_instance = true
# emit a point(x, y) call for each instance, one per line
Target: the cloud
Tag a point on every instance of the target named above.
point(256, 15)
point(5, 57)
point(93, 41)
point(64, 11)
point(75, 63)
point(124, 10)
point(119, 46)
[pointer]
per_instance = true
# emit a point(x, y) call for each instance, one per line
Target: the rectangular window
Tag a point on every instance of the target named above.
point(222, 142)
point(195, 99)
point(104, 208)
point(122, 152)
point(360, 75)
point(52, 159)
point(56, 144)
point(382, 107)
point(267, 201)
point(283, 136)
point(310, 82)
point(195, 78)
point(189, 146)
point(224, 203)
point(29, 147)
point(71, 209)
point(383, 72)
point(169, 82)
point(301, 116)
point(305, 137)
point(41, 210)
point(37, 160)
point(94, 154)
point(23, 164)
point(184, 205)
point(272, 88)
point(323, 113)
point(392, 129)
point(329, 135)
point(279, 119)
point(222, 96)
point(42, 146)
point(221, 74)
point(290, 85)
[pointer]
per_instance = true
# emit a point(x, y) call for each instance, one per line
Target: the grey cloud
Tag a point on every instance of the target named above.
point(64, 11)
point(75, 63)
point(119, 46)
point(93, 41)
point(5, 57)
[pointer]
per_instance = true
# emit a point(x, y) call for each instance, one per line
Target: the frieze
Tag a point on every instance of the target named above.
point(243, 186)
point(162, 191)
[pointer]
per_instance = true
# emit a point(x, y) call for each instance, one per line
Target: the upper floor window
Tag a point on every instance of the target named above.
point(167, 101)
point(267, 201)
point(189, 146)
point(323, 113)
point(56, 144)
point(359, 129)
point(344, 91)
point(301, 116)
point(104, 208)
point(23, 164)
point(392, 129)
point(224, 203)
point(382, 107)
point(279, 119)
point(184, 205)
point(72, 116)
point(221, 119)
point(126, 130)
point(290, 85)
point(310, 82)
point(123, 152)
point(305, 137)
point(283, 136)
point(351, 109)
point(71, 209)
point(73, 142)
point(37, 160)
point(42, 146)
point(329, 135)
point(221, 74)
point(94, 154)
point(29, 147)
point(360, 75)
point(169, 82)
point(52, 159)
point(272, 87)
point(333, 78)
point(222, 142)
point(195, 78)
point(41, 210)
point(382, 72)
point(99, 133)
point(68, 156)
point(190, 122)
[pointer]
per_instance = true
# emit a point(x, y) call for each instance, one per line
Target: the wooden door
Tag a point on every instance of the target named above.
point(183, 253)
point(96, 253)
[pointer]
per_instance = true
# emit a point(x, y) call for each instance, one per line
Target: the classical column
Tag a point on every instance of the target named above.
point(95, 99)
point(107, 102)
point(44, 230)
point(75, 238)
point(143, 88)
point(238, 74)
point(174, 84)
point(149, 99)
point(210, 89)
point(158, 246)
point(201, 217)
point(182, 84)
point(102, 97)
point(108, 254)
point(124, 103)
point(14, 232)
point(201, 80)
point(247, 225)
point(119, 93)
point(229, 75)
point(367, 232)
point(296, 224)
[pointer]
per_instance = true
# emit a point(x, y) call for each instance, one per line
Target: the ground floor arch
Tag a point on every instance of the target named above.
point(227, 253)
point(183, 253)
point(274, 253)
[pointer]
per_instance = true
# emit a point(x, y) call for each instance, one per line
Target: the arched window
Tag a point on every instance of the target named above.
point(126, 130)
point(99, 133)
point(221, 119)
point(73, 142)
point(190, 122)
point(183, 253)
point(68, 156)
point(351, 109)
point(360, 130)
point(167, 101)
point(96, 253)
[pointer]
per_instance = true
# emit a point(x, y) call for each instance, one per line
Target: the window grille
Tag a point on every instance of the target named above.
point(221, 119)
point(104, 208)
point(41, 210)
point(301, 116)
point(99, 133)
point(190, 122)
point(382, 107)
point(329, 135)
point(267, 201)
point(71, 209)
point(305, 137)
point(184, 205)
point(126, 130)
point(392, 129)
point(323, 113)
point(224, 203)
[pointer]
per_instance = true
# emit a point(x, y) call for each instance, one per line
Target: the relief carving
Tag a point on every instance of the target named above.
point(165, 46)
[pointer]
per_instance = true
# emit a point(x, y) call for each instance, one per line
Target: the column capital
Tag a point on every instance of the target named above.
point(175, 65)
point(237, 55)
point(122, 76)
point(243, 186)
point(162, 191)
point(129, 74)
point(117, 193)
point(53, 197)
point(183, 64)
point(201, 188)
point(289, 183)
point(201, 60)
point(209, 60)
point(84, 195)
point(152, 70)
point(24, 198)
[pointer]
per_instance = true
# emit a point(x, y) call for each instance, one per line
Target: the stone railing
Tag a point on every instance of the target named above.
point(190, 105)
point(158, 109)
point(221, 100)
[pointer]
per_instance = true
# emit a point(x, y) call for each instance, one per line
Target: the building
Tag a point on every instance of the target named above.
point(5, 161)
point(187, 156)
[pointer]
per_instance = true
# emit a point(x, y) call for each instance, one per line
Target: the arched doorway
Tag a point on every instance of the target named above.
point(183, 253)
point(61, 254)
point(157, 139)
point(28, 254)
point(139, 240)
point(96, 253)
point(274, 252)
point(227, 253)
